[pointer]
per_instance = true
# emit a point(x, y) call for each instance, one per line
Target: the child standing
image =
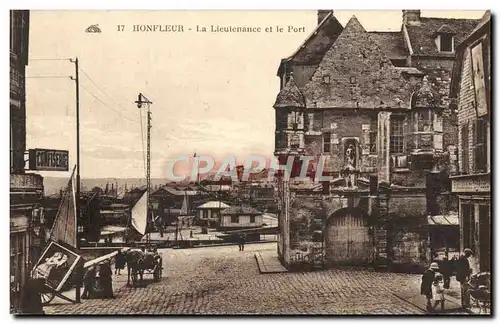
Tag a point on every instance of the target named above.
point(438, 291)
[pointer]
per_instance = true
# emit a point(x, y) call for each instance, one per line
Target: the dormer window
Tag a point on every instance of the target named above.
point(444, 40)
point(446, 43)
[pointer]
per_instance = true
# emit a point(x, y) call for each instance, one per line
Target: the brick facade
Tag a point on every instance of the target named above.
point(474, 146)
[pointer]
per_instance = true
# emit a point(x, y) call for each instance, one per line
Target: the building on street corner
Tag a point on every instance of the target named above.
point(471, 89)
point(27, 234)
point(375, 107)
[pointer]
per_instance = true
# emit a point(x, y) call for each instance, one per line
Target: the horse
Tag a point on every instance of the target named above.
point(138, 261)
point(134, 259)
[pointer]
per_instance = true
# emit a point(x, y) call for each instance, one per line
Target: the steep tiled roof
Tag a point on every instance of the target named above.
point(422, 37)
point(359, 74)
point(319, 41)
point(316, 44)
point(445, 29)
point(391, 43)
point(290, 96)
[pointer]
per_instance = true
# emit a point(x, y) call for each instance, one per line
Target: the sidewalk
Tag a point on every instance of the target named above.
point(452, 297)
point(268, 262)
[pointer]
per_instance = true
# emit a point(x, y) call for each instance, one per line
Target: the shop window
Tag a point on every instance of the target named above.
point(234, 219)
point(479, 145)
point(397, 135)
point(326, 142)
point(485, 237)
point(468, 226)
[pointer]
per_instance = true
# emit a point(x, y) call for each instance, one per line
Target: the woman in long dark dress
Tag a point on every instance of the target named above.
point(119, 262)
point(106, 275)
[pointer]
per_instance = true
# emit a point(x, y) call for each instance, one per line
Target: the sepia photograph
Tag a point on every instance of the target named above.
point(251, 162)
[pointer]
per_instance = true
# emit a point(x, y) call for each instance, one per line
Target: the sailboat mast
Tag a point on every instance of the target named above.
point(141, 100)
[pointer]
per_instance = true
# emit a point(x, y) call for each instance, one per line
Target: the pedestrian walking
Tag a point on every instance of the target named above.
point(438, 291)
point(427, 281)
point(463, 275)
point(88, 283)
point(242, 242)
point(119, 262)
point(105, 274)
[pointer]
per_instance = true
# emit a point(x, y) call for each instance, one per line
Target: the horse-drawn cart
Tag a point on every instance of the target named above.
point(143, 262)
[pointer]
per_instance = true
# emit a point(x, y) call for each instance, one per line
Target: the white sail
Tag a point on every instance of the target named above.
point(184, 208)
point(140, 214)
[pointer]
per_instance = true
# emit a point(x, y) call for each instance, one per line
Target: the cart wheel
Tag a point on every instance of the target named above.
point(47, 297)
point(134, 278)
point(157, 274)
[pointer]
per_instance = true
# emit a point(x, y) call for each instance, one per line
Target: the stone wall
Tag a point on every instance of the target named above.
point(340, 124)
point(439, 71)
point(303, 211)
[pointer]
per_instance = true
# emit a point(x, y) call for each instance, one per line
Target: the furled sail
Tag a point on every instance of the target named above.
point(65, 224)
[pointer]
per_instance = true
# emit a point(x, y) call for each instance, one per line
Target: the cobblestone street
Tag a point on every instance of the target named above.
point(223, 280)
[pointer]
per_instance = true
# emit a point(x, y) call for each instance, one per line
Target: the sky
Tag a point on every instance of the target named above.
point(212, 93)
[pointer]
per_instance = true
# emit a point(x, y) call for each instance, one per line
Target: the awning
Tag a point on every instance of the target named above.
point(443, 220)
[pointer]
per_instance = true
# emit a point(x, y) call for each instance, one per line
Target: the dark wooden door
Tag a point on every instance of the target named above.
point(348, 240)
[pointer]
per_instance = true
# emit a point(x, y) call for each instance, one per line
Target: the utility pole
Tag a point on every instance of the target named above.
point(77, 198)
point(141, 100)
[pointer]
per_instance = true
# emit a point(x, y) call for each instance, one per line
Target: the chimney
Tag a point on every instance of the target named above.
point(322, 14)
point(411, 17)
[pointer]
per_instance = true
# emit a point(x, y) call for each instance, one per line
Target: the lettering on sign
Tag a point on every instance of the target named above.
point(470, 185)
point(48, 160)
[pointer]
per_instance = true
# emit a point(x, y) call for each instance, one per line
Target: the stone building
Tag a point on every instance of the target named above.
point(26, 189)
point(372, 108)
point(471, 87)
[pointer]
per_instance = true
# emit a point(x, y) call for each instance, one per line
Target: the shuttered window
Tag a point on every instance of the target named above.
point(465, 147)
point(479, 145)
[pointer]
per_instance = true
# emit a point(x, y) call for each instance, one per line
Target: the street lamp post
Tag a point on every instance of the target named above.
point(141, 102)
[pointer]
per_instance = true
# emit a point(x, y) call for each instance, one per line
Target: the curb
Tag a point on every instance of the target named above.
point(220, 244)
point(262, 267)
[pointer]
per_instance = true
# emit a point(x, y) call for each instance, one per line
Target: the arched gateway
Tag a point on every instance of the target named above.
point(348, 239)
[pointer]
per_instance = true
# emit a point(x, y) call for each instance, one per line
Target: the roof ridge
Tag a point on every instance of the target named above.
point(314, 32)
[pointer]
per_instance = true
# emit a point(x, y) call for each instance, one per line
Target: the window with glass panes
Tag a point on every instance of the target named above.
point(326, 142)
point(397, 134)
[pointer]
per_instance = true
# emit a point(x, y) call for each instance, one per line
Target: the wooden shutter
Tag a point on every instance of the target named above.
point(465, 147)
point(479, 145)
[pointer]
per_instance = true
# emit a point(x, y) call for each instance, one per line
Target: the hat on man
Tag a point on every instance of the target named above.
point(468, 252)
point(434, 266)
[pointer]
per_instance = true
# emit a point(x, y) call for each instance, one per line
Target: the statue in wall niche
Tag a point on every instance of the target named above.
point(349, 170)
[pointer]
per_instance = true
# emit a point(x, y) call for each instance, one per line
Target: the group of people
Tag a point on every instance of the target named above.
point(436, 280)
point(98, 281)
